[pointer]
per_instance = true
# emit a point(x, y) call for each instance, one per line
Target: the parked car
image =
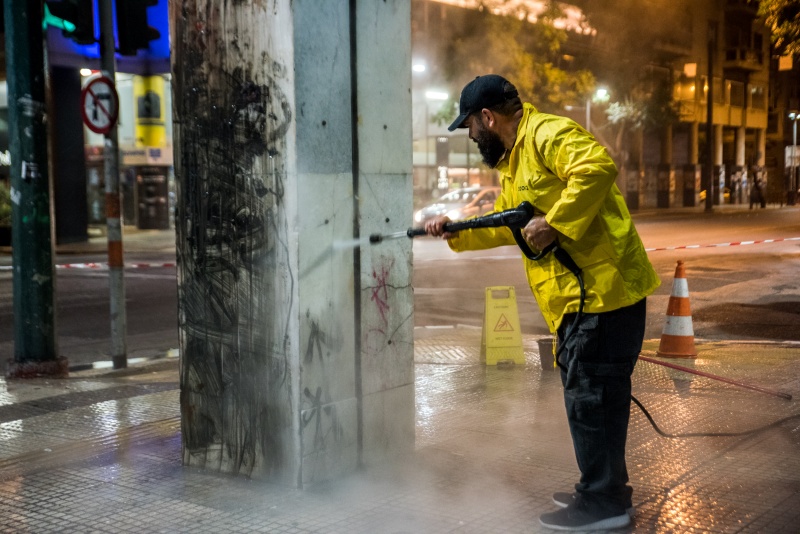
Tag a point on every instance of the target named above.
point(460, 204)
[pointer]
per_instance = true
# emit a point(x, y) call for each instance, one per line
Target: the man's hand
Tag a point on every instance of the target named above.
point(538, 233)
point(435, 227)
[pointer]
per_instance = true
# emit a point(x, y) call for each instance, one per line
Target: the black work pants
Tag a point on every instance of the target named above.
point(596, 366)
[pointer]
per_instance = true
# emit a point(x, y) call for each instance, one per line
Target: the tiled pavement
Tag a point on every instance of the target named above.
point(101, 452)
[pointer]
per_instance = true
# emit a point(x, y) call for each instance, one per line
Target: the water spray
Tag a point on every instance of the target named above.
point(515, 219)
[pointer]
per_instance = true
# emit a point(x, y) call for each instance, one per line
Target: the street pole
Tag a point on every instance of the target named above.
point(589, 114)
point(427, 148)
point(35, 350)
point(793, 181)
point(712, 39)
point(116, 278)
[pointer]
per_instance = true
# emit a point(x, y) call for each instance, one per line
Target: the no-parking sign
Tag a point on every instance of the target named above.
point(100, 104)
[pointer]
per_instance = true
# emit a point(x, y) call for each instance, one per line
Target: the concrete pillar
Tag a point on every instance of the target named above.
point(758, 172)
point(737, 179)
point(761, 147)
point(293, 143)
point(665, 196)
point(740, 136)
point(719, 169)
point(692, 172)
point(692, 185)
point(635, 183)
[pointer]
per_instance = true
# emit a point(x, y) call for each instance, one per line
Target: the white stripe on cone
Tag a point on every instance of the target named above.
point(680, 288)
point(678, 326)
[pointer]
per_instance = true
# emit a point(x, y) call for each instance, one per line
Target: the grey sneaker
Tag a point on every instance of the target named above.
point(562, 499)
point(572, 519)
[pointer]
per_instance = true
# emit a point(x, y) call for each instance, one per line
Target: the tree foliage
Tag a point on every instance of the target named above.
point(783, 18)
point(619, 52)
point(657, 109)
point(527, 54)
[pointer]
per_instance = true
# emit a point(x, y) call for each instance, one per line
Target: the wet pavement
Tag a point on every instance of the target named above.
point(101, 451)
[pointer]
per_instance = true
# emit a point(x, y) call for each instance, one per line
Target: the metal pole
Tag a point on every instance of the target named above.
point(427, 150)
point(35, 350)
point(468, 168)
point(589, 114)
point(116, 278)
point(793, 181)
point(712, 38)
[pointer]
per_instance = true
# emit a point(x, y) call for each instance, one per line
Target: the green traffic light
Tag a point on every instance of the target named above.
point(52, 20)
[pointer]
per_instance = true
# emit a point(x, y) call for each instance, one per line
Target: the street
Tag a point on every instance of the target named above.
point(739, 292)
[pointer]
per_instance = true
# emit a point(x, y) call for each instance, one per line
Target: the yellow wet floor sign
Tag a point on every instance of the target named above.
point(501, 340)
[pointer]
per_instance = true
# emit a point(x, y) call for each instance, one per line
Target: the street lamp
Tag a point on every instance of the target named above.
point(793, 116)
point(600, 95)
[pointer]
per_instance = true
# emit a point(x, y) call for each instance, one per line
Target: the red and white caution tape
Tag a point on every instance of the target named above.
point(103, 266)
point(731, 244)
point(172, 264)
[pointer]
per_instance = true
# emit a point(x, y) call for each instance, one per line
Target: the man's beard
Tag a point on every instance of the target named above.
point(490, 146)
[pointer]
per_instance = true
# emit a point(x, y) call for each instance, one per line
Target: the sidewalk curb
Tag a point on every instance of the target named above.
point(137, 365)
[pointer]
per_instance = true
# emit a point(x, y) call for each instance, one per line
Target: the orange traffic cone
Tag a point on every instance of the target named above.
point(677, 338)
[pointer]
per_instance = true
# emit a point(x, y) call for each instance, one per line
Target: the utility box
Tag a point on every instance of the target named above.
point(152, 197)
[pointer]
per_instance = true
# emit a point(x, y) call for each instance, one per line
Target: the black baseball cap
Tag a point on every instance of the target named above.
point(482, 92)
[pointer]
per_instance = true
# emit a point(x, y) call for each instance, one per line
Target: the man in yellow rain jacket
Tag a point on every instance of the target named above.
point(568, 177)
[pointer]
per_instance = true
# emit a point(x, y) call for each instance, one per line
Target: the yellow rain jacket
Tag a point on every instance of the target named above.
point(561, 169)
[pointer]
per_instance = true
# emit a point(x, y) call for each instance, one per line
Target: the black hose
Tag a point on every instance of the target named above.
point(566, 260)
point(709, 434)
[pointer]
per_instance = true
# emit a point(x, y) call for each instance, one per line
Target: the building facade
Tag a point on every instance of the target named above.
point(662, 163)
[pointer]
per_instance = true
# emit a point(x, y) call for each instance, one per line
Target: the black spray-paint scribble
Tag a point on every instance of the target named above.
point(232, 253)
point(325, 418)
point(317, 407)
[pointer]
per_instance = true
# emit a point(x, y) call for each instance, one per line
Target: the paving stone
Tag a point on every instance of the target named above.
point(492, 447)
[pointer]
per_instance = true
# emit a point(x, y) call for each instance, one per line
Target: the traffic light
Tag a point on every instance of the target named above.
point(74, 17)
point(133, 32)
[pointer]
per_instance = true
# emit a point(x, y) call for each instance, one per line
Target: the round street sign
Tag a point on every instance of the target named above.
point(99, 104)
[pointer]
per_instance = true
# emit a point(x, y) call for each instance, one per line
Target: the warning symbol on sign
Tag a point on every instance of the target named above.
point(503, 325)
point(502, 339)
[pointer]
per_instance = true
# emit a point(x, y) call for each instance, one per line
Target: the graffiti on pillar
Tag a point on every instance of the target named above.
point(380, 293)
point(320, 422)
point(314, 345)
point(323, 417)
point(234, 283)
point(379, 330)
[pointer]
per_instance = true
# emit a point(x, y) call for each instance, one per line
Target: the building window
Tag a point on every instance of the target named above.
point(719, 90)
point(758, 97)
point(685, 89)
point(736, 94)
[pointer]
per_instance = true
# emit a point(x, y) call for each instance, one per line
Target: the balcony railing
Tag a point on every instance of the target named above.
point(744, 58)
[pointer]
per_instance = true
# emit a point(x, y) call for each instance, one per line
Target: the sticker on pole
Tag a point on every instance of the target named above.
point(99, 104)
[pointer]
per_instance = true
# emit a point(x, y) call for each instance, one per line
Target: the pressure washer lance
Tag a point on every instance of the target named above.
point(515, 219)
